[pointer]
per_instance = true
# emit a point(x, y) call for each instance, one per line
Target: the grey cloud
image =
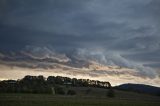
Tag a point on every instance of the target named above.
point(124, 33)
point(115, 58)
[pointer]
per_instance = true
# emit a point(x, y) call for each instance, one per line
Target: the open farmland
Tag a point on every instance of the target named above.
point(96, 97)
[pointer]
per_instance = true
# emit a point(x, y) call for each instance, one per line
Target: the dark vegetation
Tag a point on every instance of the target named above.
point(51, 85)
point(59, 90)
point(63, 91)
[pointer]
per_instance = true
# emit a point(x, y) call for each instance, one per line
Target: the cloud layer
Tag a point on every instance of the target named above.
point(111, 32)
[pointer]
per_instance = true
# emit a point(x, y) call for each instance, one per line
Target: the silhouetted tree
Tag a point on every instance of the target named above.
point(38, 84)
point(59, 80)
point(51, 80)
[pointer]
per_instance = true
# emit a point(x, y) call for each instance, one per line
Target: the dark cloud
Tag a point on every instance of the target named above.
point(124, 33)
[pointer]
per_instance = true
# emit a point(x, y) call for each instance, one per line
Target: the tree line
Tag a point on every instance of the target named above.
point(40, 84)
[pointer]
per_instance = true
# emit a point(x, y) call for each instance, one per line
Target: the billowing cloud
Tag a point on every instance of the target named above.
point(110, 32)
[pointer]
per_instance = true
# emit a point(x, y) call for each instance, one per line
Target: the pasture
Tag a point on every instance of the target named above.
point(95, 98)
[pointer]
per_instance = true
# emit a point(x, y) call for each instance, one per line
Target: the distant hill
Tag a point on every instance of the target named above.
point(140, 88)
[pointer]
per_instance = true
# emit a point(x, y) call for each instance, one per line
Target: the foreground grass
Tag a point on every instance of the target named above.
point(52, 100)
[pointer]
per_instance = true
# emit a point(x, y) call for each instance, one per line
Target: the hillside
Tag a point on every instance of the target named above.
point(140, 88)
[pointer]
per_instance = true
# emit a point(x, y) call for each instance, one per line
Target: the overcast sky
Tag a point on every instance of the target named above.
point(117, 32)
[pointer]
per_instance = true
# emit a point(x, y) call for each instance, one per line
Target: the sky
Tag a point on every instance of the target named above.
point(115, 33)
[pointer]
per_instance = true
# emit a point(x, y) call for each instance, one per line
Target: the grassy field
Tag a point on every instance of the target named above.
point(95, 98)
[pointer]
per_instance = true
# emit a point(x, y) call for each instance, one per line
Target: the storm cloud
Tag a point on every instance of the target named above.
point(123, 33)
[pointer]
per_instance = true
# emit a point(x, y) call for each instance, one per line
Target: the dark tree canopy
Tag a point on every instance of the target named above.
point(38, 84)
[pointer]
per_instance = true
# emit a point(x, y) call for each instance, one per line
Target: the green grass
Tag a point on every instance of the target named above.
point(54, 100)
point(97, 97)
